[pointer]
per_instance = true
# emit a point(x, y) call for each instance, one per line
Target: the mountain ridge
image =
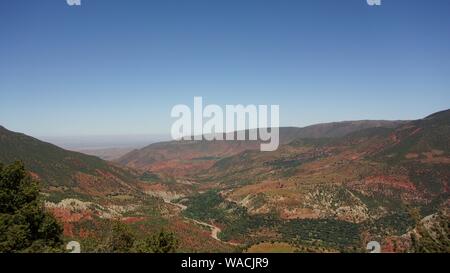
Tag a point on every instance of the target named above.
point(175, 156)
point(57, 167)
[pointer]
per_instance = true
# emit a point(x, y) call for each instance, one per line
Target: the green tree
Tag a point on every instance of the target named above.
point(120, 240)
point(162, 242)
point(25, 226)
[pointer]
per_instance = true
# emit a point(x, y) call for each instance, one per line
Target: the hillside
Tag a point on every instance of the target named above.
point(85, 193)
point(63, 170)
point(332, 190)
point(183, 158)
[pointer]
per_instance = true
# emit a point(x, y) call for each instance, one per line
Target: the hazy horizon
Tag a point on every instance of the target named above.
point(67, 138)
point(99, 142)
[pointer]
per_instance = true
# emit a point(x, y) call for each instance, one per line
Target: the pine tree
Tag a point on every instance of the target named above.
point(25, 226)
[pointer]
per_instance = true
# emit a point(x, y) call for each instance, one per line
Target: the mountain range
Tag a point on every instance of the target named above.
point(329, 187)
point(185, 157)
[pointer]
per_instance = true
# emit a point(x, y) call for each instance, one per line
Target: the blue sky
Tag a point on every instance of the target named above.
point(118, 67)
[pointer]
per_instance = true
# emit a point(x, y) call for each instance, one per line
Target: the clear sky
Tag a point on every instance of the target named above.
point(118, 66)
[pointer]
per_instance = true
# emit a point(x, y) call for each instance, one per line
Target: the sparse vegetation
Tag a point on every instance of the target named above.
point(432, 238)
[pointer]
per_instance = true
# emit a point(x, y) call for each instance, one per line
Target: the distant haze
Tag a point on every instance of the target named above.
point(100, 142)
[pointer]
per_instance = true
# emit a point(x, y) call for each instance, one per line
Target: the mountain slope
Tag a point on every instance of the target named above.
point(191, 157)
point(85, 193)
point(426, 139)
point(56, 167)
point(364, 183)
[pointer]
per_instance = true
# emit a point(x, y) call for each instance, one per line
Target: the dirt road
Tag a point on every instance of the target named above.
point(214, 230)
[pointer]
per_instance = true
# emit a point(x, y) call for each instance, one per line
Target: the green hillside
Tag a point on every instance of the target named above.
point(57, 167)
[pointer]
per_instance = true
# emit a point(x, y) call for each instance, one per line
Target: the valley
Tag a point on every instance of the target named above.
point(214, 229)
point(328, 188)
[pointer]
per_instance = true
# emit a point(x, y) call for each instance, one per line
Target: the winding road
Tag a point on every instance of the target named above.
point(214, 230)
